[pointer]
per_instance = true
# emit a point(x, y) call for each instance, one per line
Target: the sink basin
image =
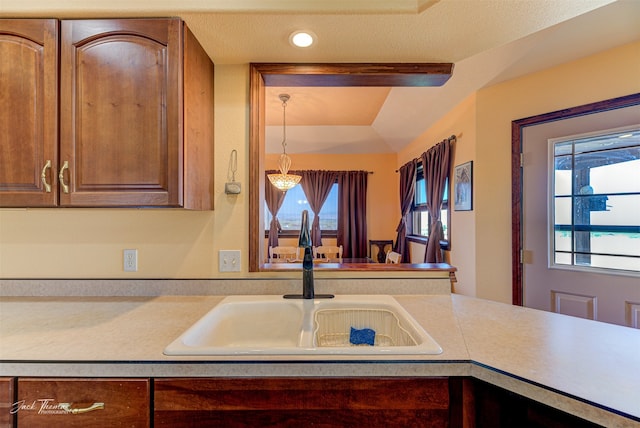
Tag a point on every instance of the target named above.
point(254, 323)
point(272, 325)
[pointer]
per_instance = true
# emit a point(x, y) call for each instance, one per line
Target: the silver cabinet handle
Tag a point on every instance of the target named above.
point(65, 188)
point(43, 176)
point(67, 407)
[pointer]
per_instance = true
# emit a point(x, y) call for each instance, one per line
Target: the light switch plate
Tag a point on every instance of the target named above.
point(229, 261)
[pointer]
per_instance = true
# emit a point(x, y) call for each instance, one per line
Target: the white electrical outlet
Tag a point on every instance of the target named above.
point(229, 261)
point(130, 260)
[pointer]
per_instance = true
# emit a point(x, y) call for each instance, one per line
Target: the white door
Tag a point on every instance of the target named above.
point(599, 296)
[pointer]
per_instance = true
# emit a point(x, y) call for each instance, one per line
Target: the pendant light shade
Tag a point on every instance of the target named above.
point(284, 181)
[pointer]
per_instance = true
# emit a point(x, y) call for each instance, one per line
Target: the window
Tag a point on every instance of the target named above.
point(421, 217)
point(290, 214)
point(595, 201)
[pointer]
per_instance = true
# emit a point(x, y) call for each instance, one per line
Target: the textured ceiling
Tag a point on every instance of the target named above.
point(488, 40)
point(241, 31)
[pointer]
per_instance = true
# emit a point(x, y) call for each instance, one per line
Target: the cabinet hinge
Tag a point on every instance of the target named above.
point(521, 160)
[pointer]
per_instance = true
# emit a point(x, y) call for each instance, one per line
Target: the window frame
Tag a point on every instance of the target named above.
point(419, 208)
point(552, 227)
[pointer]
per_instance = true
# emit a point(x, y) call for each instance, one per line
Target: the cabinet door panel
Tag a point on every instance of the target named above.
point(125, 402)
point(120, 116)
point(28, 118)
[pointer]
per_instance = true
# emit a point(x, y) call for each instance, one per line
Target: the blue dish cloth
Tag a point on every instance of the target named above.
point(364, 336)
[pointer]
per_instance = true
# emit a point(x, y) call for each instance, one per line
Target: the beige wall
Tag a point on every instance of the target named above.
point(481, 239)
point(461, 122)
point(53, 243)
point(610, 74)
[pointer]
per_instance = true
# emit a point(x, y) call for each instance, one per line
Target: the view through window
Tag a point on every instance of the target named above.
point(295, 201)
point(595, 201)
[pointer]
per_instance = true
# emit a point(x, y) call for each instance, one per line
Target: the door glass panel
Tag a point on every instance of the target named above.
point(596, 201)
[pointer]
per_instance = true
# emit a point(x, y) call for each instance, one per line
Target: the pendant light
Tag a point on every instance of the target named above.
point(284, 181)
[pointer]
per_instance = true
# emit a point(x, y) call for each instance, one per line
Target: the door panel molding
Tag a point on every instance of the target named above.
point(576, 305)
point(632, 312)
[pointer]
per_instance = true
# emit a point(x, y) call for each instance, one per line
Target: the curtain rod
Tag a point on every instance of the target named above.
point(330, 170)
point(452, 139)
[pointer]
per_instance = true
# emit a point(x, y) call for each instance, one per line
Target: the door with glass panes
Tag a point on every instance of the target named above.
point(581, 216)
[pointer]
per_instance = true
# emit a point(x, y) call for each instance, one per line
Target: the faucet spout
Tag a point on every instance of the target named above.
point(304, 241)
point(304, 238)
point(308, 286)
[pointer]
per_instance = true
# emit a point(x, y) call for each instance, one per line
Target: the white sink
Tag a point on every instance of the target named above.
point(272, 325)
point(241, 323)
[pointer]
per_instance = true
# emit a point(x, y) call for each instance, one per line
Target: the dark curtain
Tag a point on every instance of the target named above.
point(352, 213)
point(316, 186)
point(435, 163)
point(274, 198)
point(407, 193)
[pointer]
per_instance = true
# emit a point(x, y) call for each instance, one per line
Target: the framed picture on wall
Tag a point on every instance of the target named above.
point(463, 187)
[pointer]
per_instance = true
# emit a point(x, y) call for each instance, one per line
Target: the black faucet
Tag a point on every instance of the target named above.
point(304, 241)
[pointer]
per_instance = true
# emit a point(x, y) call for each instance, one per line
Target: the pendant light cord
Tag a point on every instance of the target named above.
point(284, 98)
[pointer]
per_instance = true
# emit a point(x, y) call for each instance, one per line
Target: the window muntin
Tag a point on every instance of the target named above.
point(295, 201)
point(422, 222)
point(595, 203)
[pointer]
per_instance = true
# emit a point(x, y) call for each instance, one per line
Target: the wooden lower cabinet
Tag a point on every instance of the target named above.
point(271, 402)
point(349, 402)
point(498, 408)
point(7, 399)
point(83, 402)
point(295, 402)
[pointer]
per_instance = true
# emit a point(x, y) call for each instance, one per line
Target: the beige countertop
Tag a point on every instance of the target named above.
point(587, 368)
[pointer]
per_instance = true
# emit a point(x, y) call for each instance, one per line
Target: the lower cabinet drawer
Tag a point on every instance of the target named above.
point(301, 402)
point(86, 402)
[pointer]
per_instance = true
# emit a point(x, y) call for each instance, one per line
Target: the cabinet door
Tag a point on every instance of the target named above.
point(120, 120)
point(83, 403)
point(28, 113)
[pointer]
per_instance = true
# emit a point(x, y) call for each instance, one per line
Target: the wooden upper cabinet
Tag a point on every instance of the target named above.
point(28, 112)
point(119, 116)
point(135, 116)
point(122, 115)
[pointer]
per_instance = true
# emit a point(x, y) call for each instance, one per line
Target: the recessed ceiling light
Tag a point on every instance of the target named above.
point(302, 39)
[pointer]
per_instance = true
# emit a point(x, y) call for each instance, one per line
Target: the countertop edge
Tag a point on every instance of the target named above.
point(593, 412)
point(566, 402)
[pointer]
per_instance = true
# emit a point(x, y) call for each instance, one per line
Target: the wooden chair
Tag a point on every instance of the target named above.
point(393, 257)
point(282, 254)
point(327, 252)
